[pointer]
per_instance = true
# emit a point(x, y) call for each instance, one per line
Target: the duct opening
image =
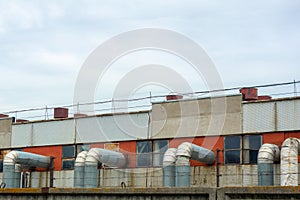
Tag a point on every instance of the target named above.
point(267, 155)
point(289, 162)
point(13, 163)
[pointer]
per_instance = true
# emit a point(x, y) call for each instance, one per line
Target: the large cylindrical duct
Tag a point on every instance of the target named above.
point(185, 152)
point(169, 167)
point(12, 170)
point(79, 169)
point(268, 153)
point(96, 156)
point(289, 162)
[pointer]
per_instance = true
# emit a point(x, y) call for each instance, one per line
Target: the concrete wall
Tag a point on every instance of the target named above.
point(228, 193)
point(109, 194)
point(5, 133)
point(201, 176)
point(190, 118)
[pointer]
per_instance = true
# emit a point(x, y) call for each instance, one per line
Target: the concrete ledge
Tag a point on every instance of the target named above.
point(259, 193)
point(110, 193)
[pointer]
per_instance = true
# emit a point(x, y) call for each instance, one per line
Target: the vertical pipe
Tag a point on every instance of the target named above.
point(79, 169)
point(268, 153)
point(289, 162)
point(183, 172)
point(218, 168)
point(91, 171)
point(169, 168)
point(51, 168)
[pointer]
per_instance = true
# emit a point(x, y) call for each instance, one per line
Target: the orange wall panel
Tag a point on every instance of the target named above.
point(129, 150)
point(55, 151)
point(273, 138)
point(291, 134)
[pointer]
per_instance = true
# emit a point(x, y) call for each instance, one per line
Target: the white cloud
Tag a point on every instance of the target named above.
point(44, 43)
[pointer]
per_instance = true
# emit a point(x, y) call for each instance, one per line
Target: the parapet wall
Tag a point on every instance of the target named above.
point(153, 193)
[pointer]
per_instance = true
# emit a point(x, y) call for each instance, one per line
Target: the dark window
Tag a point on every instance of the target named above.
point(232, 145)
point(235, 152)
point(144, 153)
point(68, 151)
point(160, 147)
point(251, 144)
point(68, 164)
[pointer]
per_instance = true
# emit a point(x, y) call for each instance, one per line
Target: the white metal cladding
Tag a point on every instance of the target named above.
point(259, 117)
point(119, 127)
point(288, 115)
point(21, 135)
point(5, 132)
point(43, 133)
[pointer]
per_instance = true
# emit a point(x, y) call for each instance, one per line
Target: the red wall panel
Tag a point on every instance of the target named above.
point(292, 134)
point(129, 150)
point(273, 138)
point(97, 145)
point(55, 151)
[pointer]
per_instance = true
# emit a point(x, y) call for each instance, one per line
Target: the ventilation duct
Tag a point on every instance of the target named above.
point(96, 156)
point(267, 155)
point(169, 167)
point(289, 162)
point(185, 152)
point(12, 166)
point(79, 169)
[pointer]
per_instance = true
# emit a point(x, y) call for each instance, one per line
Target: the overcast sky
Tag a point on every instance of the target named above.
point(44, 43)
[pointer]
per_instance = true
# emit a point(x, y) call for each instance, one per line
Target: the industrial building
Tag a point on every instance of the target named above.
point(241, 140)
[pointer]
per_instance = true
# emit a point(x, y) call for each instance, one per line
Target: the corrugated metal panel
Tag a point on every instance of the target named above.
point(112, 128)
point(5, 133)
point(288, 115)
point(43, 133)
point(258, 117)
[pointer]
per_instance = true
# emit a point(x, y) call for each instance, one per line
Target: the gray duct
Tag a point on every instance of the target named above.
point(12, 166)
point(185, 152)
point(268, 153)
point(79, 169)
point(289, 162)
point(96, 156)
point(169, 167)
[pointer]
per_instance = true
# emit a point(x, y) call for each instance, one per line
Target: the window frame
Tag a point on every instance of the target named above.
point(244, 152)
point(152, 152)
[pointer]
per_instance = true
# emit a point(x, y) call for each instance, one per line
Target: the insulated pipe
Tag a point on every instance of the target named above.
point(169, 167)
point(12, 170)
point(289, 162)
point(185, 152)
point(96, 156)
point(79, 169)
point(268, 153)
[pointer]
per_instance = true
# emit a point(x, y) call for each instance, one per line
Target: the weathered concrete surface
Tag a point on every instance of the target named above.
point(227, 193)
point(190, 118)
point(260, 193)
point(109, 194)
